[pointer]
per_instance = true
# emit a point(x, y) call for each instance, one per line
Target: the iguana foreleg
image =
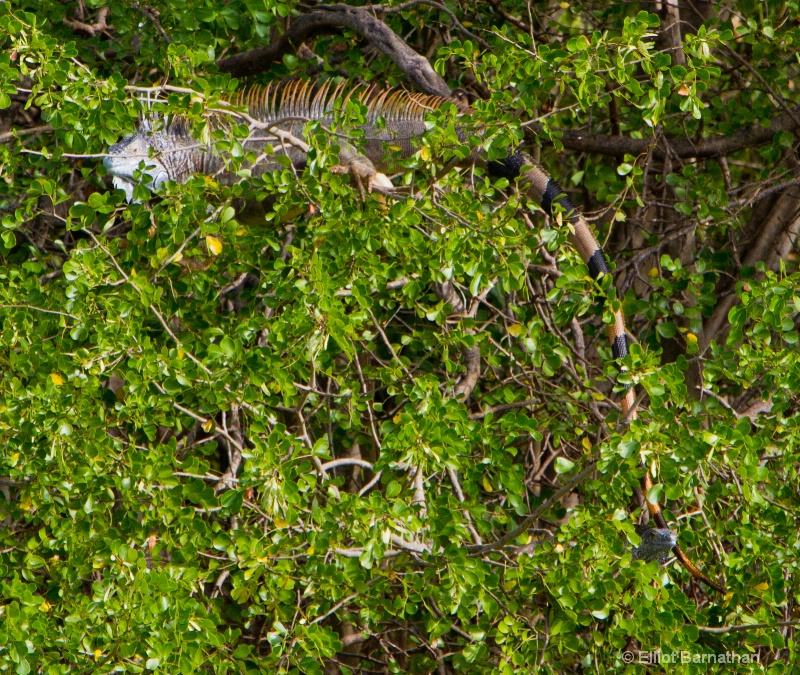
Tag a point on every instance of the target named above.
point(362, 170)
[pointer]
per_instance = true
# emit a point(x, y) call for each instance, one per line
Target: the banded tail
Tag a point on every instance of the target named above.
point(546, 192)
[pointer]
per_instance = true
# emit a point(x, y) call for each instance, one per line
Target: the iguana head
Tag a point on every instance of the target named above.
point(156, 152)
point(656, 543)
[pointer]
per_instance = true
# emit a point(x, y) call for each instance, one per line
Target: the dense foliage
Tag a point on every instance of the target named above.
point(234, 447)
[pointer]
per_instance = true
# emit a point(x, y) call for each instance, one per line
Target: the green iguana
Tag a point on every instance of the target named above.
point(279, 115)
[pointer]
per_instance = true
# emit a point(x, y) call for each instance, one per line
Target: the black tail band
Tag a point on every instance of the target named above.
point(598, 264)
point(619, 348)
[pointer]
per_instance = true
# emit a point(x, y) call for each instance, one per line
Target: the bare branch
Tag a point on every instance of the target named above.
point(93, 29)
point(537, 512)
point(720, 630)
point(672, 32)
point(383, 9)
point(465, 386)
point(325, 19)
point(16, 133)
point(783, 218)
point(704, 148)
point(228, 480)
point(347, 461)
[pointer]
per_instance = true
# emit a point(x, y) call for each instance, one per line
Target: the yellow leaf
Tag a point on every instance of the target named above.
point(208, 425)
point(487, 485)
point(214, 245)
point(279, 522)
point(396, 418)
point(587, 444)
point(514, 329)
point(509, 585)
point(653, 273)
point(44, 606)
point(691, 337)
point(425, 153)
point(97, 654)
point(763, 586)
point(57, 379)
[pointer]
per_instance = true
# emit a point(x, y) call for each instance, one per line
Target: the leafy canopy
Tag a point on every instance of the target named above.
point(148, 349)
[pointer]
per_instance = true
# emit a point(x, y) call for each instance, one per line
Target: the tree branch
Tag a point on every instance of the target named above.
point(782, 218)
point(537, 512)
point(416, 67)
point(672, 32)
point(465, 386)
point(720, 630)
point(705, 148)
point(99, 26)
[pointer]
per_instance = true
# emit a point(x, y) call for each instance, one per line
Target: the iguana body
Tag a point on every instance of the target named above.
point(279, 115)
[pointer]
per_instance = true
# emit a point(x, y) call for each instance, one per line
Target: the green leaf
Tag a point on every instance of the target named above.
point(624, 169)
point(563, 465)
point(231, 500)
point(667, 329)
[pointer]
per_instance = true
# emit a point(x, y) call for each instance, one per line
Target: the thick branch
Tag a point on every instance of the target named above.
point(782, 219)
point(537, 512)
point(672, 32)
point(228, 480)
point(416, 67)
point(465, 386)
point(99, 26)
point(720, 630)
point(618, 146)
